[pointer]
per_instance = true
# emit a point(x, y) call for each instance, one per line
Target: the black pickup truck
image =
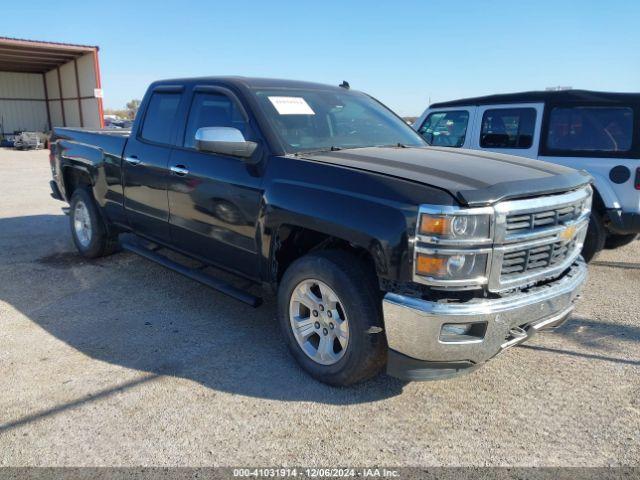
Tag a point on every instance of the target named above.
point(382, 251)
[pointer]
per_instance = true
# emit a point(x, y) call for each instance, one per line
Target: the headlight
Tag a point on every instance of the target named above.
point(456, 227)
point(452, 267)
point(453, 246)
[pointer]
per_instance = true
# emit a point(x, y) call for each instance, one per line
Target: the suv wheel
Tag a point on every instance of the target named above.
point(88, 229)
point(596, 236)
point(616, 241)
point(329, 309)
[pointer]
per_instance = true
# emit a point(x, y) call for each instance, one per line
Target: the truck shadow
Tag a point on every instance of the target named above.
point(593, 336)
point(129, 312)
point(623, 265)
point(588, 356)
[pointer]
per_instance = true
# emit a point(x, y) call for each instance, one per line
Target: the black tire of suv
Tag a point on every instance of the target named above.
point(357, 288)
point(102, 243)
point(596, 236)
point(617, 241)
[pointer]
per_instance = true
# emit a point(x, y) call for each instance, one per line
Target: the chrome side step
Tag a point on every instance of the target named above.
point(194, 274)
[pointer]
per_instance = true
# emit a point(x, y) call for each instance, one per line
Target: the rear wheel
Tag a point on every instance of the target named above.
point(329, 308)
point(88, 229)
point(616, 241)
point(596, 236)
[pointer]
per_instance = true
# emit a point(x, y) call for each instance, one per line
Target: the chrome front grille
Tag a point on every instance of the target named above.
point(529, 222)
point(535, 259)
point(538, 238)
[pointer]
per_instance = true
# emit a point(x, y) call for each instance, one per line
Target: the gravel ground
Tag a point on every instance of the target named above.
point(122, 362)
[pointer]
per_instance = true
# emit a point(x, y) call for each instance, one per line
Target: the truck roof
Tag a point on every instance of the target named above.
point(544, 96)
point(249, 82)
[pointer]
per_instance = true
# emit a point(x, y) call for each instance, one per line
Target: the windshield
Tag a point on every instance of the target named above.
point(311, 120)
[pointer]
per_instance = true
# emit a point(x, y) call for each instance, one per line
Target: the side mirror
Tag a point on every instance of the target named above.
point(225, 141)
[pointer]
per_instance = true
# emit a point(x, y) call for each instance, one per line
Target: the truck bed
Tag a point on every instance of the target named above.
point(110, 141)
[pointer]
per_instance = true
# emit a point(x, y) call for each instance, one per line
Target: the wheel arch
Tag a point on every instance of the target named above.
point(292, 241)
point(74, 176)
point(80, 164)
point(604, 196)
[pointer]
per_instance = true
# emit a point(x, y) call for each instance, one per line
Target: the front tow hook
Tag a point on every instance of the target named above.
point(516, 335)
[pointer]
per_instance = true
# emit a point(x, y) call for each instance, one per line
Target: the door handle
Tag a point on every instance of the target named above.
point(179, 170)
point(132, 160)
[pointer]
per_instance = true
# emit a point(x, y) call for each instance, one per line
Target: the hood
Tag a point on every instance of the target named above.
point(473, 178)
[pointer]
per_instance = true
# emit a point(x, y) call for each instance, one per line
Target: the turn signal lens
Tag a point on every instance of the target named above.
point(428, 265)
point(434, 225)
point(455, 226)
point(455, 266)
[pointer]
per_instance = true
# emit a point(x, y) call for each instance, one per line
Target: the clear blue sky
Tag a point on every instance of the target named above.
point(402, 52)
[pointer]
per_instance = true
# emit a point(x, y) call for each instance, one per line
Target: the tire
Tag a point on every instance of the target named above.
point(88, 229)
point(617, 241)
point(595, 239)
point(357, 299)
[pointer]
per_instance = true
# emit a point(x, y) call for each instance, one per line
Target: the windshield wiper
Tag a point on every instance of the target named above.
point(320, 150)
point(394, 145)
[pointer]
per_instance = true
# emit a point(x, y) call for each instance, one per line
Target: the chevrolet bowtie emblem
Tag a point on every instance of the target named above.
point(568, 233)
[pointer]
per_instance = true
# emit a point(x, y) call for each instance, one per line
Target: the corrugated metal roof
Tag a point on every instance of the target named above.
point(20, 55)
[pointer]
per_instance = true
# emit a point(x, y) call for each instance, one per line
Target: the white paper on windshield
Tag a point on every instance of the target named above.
point(291, 106)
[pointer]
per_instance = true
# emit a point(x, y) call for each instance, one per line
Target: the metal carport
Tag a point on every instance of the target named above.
point(48, 84)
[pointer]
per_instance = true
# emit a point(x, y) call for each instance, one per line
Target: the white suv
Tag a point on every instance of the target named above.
point(595, 131)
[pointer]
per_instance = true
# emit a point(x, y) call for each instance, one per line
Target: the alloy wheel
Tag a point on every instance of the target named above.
point(82, 224)
point(319, 322)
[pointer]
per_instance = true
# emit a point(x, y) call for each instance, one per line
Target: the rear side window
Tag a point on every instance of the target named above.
point(600, 129)
point(508, 128)
point(212, 110)
point(445, 129)
point(161, 113)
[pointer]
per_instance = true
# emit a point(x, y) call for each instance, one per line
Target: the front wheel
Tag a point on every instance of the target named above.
point(596, 236)
point(329, 308)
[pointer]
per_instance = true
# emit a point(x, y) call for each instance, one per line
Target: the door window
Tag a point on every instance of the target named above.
point(508, 128)
point(212, 110)
point(603, 129)
point(159, 118)
point(445, 129)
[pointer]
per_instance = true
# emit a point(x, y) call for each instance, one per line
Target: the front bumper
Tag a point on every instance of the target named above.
point(413, 326)
point(623, 223)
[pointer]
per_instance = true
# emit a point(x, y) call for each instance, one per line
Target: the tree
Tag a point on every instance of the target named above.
point(132, 108)
point(118, 112)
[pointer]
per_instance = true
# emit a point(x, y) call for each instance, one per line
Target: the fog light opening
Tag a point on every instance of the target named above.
point(463, 332)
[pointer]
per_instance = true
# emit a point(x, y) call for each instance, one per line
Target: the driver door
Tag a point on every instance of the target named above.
point(214, 199)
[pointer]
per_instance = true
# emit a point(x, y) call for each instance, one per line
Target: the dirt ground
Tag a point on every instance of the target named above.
point(122, 362)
